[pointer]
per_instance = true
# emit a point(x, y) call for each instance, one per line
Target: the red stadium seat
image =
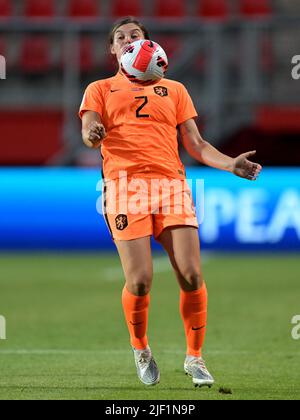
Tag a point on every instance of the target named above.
point(254, 8)
point(213, 9)
point(170, 44)
point(24, 128)
point(5, 8)
point(83, 8)
point(87, 62)
point(3, 47)
point(126, 8)
point(278, 119)
point(35, 54)
point(267, 55)
point(39, 8)
point(170, 8)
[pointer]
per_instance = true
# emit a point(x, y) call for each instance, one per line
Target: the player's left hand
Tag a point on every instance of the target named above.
point(244, 168)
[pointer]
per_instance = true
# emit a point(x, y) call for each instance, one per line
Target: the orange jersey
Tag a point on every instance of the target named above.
point(141, 125)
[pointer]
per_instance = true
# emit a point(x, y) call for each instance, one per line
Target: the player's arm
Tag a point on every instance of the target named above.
point(93, 131)
point(205, 153)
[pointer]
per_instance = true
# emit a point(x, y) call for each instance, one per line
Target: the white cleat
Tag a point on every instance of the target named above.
point(146, 367)
point(195, 367)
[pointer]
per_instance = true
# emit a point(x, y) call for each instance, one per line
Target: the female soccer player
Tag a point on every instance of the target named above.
point(136, 128)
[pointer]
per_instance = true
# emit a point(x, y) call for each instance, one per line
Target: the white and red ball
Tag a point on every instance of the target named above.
point(144, 62)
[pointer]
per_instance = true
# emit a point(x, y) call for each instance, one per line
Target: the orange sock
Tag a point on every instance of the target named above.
point(136, 315)
point(193, 309)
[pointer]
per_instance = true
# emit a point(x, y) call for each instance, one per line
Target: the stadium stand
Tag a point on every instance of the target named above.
point(87, 60)
point(213, 9)
point(278, 119)
point(170, 43)
point(5, 8)
point(287, 7)
point(39, 8)
point(126, 8)
point(35, 54)
point(3, 46)
point(170, 8)
point(83, 8)
point(36, 135)
point(255, 8)
point(30, 55)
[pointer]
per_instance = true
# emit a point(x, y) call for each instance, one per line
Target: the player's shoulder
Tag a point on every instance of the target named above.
point(102, 84)
point(173, 85)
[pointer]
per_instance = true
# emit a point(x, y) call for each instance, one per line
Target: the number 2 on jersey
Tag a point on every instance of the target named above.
point(138, 114)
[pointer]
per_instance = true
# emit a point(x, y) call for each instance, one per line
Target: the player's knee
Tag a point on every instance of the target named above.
point(140, 284)
point(194, 278)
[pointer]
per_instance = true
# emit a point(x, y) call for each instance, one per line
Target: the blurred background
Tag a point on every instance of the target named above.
point(234, 56)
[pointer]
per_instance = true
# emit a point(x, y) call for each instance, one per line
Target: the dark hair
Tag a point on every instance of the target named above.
point(125, 21)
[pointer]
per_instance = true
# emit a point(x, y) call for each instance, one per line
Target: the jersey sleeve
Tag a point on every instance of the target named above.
point(185, 108)
point(92, 100)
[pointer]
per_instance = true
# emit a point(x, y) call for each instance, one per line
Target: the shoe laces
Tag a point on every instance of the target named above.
point(200, 363)
point(144, 358)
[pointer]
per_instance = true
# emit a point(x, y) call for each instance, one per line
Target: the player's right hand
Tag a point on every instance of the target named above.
point(244, 168)
point(95, 133)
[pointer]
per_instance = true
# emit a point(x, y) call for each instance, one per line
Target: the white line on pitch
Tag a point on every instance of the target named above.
point(49, 352)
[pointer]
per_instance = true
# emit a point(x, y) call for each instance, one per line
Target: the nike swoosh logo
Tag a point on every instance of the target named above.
point(116, 90)
point(138, 323)
point(200, 328)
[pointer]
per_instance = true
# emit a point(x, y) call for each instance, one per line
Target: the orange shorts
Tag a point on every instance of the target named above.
point(142, 206)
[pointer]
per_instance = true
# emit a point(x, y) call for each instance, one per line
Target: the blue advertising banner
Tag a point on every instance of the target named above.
point(58, 209)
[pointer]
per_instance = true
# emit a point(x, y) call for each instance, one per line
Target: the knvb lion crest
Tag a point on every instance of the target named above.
point(161, 91)
point(121, 222)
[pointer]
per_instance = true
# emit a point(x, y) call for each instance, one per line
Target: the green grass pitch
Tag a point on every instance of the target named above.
point(67, 339)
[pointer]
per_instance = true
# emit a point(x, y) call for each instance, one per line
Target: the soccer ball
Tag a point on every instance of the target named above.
point(144, 62)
